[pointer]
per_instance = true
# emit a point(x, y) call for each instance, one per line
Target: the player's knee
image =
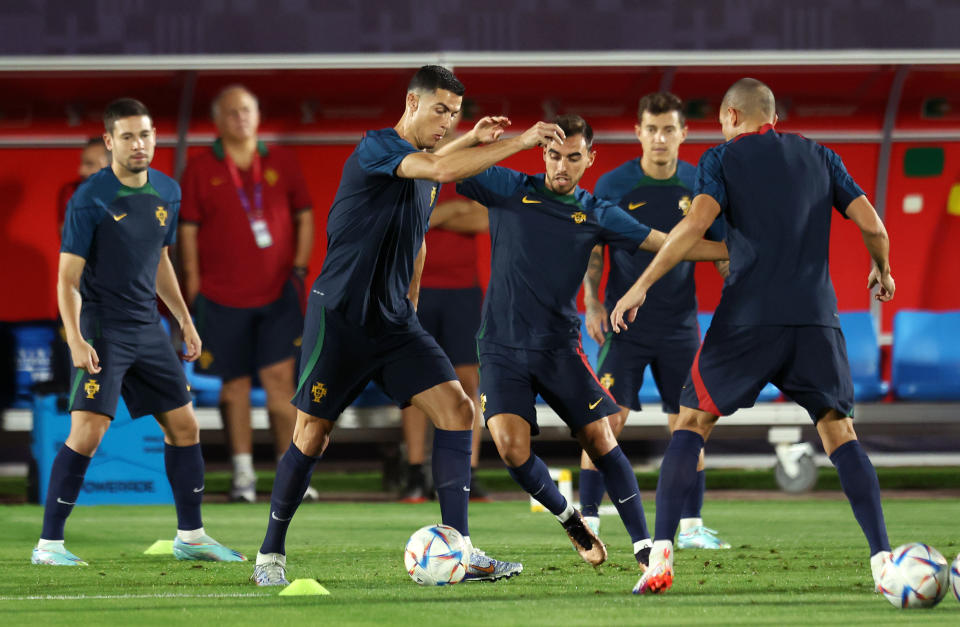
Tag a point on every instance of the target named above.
point(597, 439)
point(183, 431)
point(235, 390)
point(311, 434)
point(514, 453)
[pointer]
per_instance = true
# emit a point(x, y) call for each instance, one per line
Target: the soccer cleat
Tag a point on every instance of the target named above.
point(659, 574)
point(55, 555)
point(244, 489)
point(878, 568)
point(594, 523)
point(700, 537)
point(478, 493)
point(311, 494)
point(271, 570)
point(205, 549)
point(584, 540)
point(484, 568)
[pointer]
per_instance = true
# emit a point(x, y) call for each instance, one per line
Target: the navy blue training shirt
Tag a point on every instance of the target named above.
point(776, 192)
point(540, 246)
point(374, 232)
point(121, 231)
point(660, 204)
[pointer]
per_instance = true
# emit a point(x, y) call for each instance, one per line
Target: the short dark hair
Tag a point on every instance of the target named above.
point(661, 102)
point(573, 124)
point(433, 77)
point(123, 108)
point(96, 141)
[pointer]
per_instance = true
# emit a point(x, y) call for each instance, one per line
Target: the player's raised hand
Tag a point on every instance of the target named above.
point(542, 134)
point(626, 308)
point(597, 323)
point(885, 282)
point(490, 128)
point(85, 357)
point(191, 340)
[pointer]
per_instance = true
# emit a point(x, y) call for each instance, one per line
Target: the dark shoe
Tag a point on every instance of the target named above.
point(587, 544)
point(414, 493)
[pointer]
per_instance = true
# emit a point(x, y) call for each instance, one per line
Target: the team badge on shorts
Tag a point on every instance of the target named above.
point(161, 215)
point(483, 404)
point(318, 390)
point(91, 387)
point(606, 380)
point(579, 217)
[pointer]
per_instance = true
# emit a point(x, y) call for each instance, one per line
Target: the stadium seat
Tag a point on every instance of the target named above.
point(770, 392)
point(926, 356)
point(864, 355)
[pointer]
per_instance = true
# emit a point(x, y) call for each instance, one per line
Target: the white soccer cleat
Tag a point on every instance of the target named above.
point(311, 494)
point(271, 570)
point(244, 488)
point(659, 574)
point(485, 568)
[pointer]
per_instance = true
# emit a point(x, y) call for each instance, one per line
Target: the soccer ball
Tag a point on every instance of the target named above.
point(916, 576)
point(436, 555)
point(955, 577)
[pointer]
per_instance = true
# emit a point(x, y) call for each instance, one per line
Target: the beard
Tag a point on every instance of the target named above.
point(136, 169)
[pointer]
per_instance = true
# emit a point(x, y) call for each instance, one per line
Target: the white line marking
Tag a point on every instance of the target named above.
point(81, 597)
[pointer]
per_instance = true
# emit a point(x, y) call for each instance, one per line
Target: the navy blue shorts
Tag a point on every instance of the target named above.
point(511, 378)
point(141, 365)
point(809, 365)
point(621, 363)
point(238, 342)
point(452, 317)
point(343, 357)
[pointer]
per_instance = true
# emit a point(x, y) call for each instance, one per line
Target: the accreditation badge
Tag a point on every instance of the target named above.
point(261, 233)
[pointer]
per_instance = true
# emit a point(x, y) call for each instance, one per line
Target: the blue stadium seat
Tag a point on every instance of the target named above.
point(864, 355)
point(770, 392)
point(926, 356)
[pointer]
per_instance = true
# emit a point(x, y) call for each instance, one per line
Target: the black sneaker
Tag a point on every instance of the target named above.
point(478, 493)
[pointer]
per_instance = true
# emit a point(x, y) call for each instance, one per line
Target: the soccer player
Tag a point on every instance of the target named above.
point(113, 265)
point(542, 230)
point(777, 319)
point(361, 325)
point(655, 190)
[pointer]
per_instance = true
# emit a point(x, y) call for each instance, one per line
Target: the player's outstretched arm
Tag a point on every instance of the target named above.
point(678, 245)
point(487, 129)
point(596, 312)
point(875, 238)
point(169, 292)
point(460, 215)
point(69, 301)
point(462, 164)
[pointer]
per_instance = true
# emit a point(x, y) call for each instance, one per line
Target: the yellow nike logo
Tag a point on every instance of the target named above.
point(119, 217)
point(594, 404)
point(636, 205)
point(528, 201)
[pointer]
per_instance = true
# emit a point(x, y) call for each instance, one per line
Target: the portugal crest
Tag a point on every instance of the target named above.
point(606, 380)
point(579, 217)
point(318, 390)
point(91, 387)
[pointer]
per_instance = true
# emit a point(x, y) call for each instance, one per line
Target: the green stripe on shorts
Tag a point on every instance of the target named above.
point(604, 350)
point(315, 355)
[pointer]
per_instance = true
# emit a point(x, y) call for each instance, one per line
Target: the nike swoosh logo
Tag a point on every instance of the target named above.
point(483, 569)
point(62, 502)
point(466, 489)
point(635, 205)
point(627, 499)
point(528, 201)
point(594, 404)
point(274, 516)
point(198, 490)
point(118, 218)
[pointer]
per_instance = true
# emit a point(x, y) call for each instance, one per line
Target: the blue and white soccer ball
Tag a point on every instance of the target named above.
point(436, 555)
point(955, 577)
point(917, 576)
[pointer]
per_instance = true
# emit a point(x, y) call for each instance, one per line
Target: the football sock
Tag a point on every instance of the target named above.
point(686, 524)
point(451, 476)
point(293, 477)
point(66, 477)
point(534, 477)
point(622, 485)
point(243, 465)
point(191, 535)
point(694, 502)
point(678, 475)
point(415, 475)
point(859, 482)
point(566, 514)
point(185, 472)
point(591, 491)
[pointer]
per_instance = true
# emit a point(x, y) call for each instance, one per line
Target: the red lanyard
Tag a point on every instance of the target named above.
point(257, 209)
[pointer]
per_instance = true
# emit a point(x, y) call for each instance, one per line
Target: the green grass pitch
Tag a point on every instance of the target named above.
point(793, 562)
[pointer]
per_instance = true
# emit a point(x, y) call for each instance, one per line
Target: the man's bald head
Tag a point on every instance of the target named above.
point(753, 99)
point(236, 113)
